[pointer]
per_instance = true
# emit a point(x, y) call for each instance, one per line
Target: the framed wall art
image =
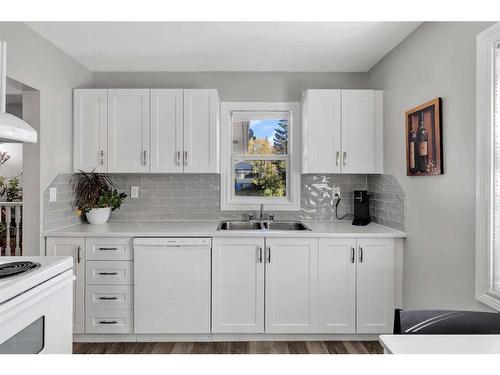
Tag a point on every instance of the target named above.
point(424, 147)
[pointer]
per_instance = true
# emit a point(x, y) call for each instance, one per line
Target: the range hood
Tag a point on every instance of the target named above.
point(12, 128)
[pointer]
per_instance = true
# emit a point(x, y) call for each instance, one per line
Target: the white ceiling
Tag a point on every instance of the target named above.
point(226, 46)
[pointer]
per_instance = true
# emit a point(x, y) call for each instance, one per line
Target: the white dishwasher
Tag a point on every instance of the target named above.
point(172, 285)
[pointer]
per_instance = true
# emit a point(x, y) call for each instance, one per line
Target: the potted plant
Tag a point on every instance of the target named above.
point(95, 196)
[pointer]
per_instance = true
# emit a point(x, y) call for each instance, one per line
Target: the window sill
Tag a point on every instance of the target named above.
point(289, 206)
point(489, 300)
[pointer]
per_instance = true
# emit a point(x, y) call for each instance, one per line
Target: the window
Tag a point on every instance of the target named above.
point(488, 168)
point(496, 171)
point(259, 156)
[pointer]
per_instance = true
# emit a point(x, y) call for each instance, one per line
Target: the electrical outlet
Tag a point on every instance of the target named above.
point(134, 192)
point(336, 192)
point(52, 194)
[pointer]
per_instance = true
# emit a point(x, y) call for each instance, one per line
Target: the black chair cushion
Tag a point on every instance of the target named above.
point(427, 322)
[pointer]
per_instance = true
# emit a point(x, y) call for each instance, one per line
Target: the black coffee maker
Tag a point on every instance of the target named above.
point(361, 208)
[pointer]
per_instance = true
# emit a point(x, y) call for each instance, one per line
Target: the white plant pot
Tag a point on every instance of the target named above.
point(98, 215)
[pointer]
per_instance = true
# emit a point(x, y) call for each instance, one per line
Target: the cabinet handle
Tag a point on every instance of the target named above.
point(108, 298)
point(268, 254)
point(360, 254)
point(185, 158)
point(102, 157)
point(78, 251)
point(259, 258)
point(352, 254)
point(344, 158)
point(108, 322)
point(337, 158)
point(107, 248)
point(108, 273)
point(178, 157)
point(144, 157)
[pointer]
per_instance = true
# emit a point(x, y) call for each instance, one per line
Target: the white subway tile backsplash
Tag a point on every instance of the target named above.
point(196, 197)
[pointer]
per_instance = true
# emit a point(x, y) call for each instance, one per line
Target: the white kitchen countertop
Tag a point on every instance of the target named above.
point(441, 344)
point(209, 229)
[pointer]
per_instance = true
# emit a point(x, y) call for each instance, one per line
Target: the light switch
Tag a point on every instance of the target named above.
point(134, 192)
point(52, 194)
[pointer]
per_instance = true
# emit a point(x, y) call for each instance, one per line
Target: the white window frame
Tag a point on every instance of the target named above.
point(485, 43)
point(229, 202)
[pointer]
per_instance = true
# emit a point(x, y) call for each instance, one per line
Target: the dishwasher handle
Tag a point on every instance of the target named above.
point(172, 242)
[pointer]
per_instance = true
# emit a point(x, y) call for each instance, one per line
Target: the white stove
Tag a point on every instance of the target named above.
point(36, 304)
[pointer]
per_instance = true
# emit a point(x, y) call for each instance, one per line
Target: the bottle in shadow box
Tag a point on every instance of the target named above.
point(412, 152)
point(423, 140)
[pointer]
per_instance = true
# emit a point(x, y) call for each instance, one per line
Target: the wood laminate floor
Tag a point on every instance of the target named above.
point(253, 347)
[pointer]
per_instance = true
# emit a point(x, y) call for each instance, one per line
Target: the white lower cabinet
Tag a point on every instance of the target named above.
point(337, 285)
point(303, 285)
point(109, 321)
point(291, 285)
point(109, 297)
point(238, 285)
point(264, 285)
point(73, 247)
point(375, 285)
point(244, 285)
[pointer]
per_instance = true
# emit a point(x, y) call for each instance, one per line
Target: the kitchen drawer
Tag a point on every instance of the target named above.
point(109, 297)
point(109, 248)
point(109, 272)
point(109, 321)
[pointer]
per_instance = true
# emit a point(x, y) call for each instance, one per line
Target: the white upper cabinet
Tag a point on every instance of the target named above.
point(238, 285)
point(375, 285)
point(342, 131)
point(143, 130)
point(291, 285)
point(167, 131)
point(358, 131)
point(128, 130)
point(321, 131)
point(90, 130)
point(337, 285)
point(201, 131)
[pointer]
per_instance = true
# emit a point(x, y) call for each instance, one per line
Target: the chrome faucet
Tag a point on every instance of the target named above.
point(270, 217)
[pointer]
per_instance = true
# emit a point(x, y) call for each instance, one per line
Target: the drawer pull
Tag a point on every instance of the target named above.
point(108, 322)
point(108, 298)
point(108, 248)
point(108, 273)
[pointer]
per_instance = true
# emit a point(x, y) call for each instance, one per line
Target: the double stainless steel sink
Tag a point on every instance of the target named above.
point(262, 225)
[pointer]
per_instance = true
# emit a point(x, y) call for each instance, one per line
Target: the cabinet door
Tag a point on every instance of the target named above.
point(358, 131)
point(201, 131)
point(291, 285)
point(336, 285)
point(167, 127)
point(90, 121)
point(128, 130)
point(238, 285)
point(73, 247)
point(375, 285)
point(321, 132)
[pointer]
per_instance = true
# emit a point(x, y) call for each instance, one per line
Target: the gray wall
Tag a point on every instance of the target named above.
point(438, 59)
point(35, 62)
point(237, 86)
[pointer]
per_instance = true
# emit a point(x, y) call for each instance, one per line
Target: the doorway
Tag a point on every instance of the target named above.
point(20, 196)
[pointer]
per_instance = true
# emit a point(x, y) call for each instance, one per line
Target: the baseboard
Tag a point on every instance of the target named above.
point(221, 337)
